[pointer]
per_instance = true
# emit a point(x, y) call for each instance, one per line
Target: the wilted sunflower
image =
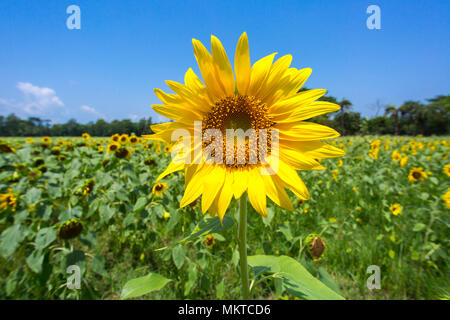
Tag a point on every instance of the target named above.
point(263, 96)
point(396, 209)
point(158, 189)
point(112, 147)
point(417, 174)
point(123, 153)
point(6, 148)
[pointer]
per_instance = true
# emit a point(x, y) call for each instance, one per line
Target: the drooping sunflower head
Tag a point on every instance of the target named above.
point(251, 125)
point(417, 174)
point(159, 188)
point(123, 153)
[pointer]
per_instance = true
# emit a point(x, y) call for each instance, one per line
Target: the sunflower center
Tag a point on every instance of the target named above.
point(416, 175)
point(244, 123)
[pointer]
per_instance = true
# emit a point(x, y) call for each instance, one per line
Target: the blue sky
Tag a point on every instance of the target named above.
point(124, 49)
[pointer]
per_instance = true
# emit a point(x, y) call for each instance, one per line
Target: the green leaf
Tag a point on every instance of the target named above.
point(143, 285)
point(326, 278)
point(419, 227)
point(45, 237)
point(34, 260)
point(140, 204)
point(296, 279)
point(178, 256)
point(192, 279)
point(206, 226)
point(33, 195)
point(11, 238)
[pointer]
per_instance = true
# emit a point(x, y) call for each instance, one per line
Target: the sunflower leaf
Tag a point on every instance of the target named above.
point(206, 226)
point(296, 279)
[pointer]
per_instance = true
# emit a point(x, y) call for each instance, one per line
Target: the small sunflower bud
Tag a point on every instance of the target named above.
point(317, 246)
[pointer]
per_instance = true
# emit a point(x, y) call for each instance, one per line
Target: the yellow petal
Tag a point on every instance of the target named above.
point(290, 177)
point(260, 71)
point(242, 66)
point(194, 185)
point(297, 159)
point(276, 193)
point(175, 112)
point(208, 70)
point(314, 109)
point(277, 71)
point(314, 149)
point(225, 196)
point(223, 65)
point(211, 186)
point(299, 102)
point(289, 85)
point(305, 131)
point(172, 167)
point(199, 104)
point(240, 182)
point(256, 192)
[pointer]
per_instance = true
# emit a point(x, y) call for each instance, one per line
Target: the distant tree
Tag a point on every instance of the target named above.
point(392, 111)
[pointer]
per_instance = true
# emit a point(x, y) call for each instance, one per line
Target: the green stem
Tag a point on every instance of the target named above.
point(243, 246)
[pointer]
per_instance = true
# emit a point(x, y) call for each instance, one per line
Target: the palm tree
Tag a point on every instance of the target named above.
point(392, 111)
point(345, 105)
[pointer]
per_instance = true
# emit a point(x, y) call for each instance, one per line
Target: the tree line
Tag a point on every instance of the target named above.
point(411, 118)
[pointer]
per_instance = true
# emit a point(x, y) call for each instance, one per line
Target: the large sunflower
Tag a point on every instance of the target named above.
point(263, 96)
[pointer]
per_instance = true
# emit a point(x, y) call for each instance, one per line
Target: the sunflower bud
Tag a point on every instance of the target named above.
point(316, 246)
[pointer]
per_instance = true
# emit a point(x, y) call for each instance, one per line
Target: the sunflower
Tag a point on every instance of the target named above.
point(46, 140)
point(115, 137)
point(403, 161)
point(210, 241)
point(30, 140)
point(417, 174)
point(123, 139)
point(86, 136)
point(8, 200)
point(396, 156)
point(446, 170)
point(159, 188)
point(100, 148)
point(446, 198)
point(112, 147)
point(134, 140)
point(262, 99)
point(396, 209)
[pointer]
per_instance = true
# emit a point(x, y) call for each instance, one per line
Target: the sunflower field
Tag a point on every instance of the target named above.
point(95, 203)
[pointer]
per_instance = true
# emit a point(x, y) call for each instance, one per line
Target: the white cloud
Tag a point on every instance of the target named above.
point(92, 110)
point(38, 99)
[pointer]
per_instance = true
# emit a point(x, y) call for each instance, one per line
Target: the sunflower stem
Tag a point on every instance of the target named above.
point(243, 246)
